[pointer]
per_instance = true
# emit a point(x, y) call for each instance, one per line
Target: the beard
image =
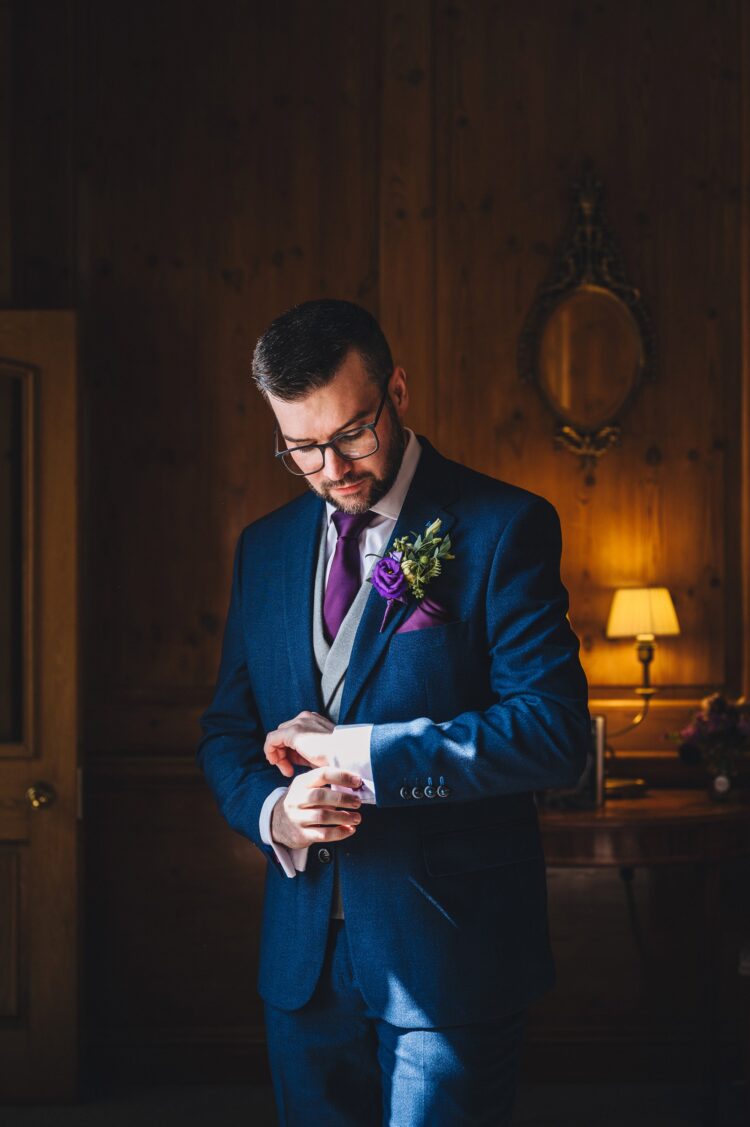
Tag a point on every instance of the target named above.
point(375, 487)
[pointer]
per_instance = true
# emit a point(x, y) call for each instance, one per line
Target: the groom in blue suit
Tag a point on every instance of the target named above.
point(386, 764)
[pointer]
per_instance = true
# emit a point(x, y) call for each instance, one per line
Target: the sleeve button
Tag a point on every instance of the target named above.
point(405, 792)
point(417, 792)
point(324, 855)
point(429, 792)
point(443, 791)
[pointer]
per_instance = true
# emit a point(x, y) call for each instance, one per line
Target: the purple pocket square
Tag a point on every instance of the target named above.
point(427, 612)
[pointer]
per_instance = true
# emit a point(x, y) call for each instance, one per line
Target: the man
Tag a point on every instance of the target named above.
point(386, 763)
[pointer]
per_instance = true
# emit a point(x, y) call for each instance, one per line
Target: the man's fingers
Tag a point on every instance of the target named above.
point(319, 776)
point(328, 833)
point(279, 755)
point(307, 716)
point(328, 816)
point(324, 796)
point(284, 759)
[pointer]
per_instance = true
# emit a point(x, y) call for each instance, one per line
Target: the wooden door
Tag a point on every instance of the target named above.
point(39, 707)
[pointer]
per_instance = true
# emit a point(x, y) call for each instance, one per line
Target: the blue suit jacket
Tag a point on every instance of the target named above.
point(444, 896)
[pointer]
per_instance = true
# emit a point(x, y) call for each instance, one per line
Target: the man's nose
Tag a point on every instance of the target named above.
point(334, 465)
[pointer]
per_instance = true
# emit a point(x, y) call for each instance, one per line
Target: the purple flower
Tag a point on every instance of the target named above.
point(389, 580)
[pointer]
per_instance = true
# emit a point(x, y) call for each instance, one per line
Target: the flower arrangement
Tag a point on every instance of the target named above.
point(409, 567)
point(718, 734)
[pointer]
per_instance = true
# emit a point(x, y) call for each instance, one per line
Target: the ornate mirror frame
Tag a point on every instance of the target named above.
point(587, 267)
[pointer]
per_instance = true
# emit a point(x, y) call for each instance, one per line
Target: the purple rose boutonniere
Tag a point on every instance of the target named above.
point(408, 567)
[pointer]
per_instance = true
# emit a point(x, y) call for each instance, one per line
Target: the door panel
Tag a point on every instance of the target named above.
point(39, 707)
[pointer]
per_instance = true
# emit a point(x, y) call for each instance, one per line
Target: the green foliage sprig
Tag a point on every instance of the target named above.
point(422, 560)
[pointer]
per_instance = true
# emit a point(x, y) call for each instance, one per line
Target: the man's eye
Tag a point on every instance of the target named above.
point(351, 435)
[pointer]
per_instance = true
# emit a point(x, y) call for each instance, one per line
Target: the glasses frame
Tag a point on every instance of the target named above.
point(323, 446)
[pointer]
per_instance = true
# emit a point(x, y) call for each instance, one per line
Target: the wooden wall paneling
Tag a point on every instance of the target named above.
point(521, 100)
point(11, 975)
point(407, 223)
point(221, 188)
point(42, 172)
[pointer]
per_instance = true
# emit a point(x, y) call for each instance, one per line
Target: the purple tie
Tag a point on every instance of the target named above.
point(343, 578)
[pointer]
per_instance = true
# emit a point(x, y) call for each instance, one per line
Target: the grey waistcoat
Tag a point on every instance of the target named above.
point(333, 661)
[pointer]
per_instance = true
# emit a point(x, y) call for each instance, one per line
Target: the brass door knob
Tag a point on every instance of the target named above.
point(41, 794)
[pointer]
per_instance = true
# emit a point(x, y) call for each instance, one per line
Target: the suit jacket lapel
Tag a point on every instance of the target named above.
point(300, 555)
point(430, 489)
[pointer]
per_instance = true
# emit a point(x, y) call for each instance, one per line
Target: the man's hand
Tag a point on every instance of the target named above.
point(300, 741)
point(310, 811)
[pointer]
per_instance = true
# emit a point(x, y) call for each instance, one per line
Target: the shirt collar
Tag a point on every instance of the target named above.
point(390, 505)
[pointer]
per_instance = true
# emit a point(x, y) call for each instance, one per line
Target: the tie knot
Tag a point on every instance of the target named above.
point(349, 525)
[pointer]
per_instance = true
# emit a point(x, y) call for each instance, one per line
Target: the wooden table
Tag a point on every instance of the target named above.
point(664, 827)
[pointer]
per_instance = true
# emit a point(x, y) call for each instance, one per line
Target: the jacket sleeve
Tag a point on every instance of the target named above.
point(535, 733)
point(230, 752)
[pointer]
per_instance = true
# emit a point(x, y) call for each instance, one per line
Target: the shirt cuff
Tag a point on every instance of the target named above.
point(350, 751)
point(292, 861)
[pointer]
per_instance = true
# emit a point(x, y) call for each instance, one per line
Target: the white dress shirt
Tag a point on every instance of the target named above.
point(350, 743)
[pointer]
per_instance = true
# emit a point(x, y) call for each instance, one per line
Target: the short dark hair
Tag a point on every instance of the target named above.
point(303, 348)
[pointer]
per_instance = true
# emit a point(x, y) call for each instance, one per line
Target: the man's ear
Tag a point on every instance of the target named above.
point(399, 390)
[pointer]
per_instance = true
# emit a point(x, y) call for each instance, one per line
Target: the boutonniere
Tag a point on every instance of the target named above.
point(409, 567)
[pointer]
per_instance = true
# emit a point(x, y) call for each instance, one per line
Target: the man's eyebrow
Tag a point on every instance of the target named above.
point(354, 419)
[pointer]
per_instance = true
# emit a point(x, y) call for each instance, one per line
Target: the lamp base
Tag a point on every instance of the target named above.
point(625, 788)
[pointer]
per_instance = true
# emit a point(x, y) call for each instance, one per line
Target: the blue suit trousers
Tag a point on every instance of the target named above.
point(337, 1064)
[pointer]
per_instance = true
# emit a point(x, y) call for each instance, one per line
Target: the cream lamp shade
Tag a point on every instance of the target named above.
point(638, 612)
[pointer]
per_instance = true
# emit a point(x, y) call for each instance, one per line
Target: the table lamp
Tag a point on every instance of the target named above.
point(642, 613)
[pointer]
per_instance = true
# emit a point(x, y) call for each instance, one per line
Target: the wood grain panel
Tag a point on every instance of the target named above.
point(523, 98)
point(42, 165)
point(219, 188)
point(407, 291)
point(19, 524)
point(10, 934)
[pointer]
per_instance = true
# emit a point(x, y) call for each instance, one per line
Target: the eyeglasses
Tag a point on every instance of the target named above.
point(350, 445)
